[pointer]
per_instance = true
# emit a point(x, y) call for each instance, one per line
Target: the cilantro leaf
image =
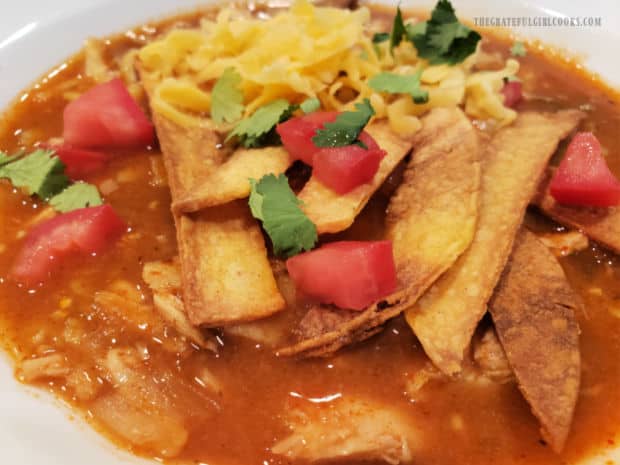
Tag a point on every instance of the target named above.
point(274, 203)
point(5, 158)
point(254, 131)
point(78, 195)
point(310, 105)
point(518, 49)
point(227, 98)
point(398, 29)
point(443, 39)
point(399, 84)
point(346, 128)
point(380, 37)
point(41, 173)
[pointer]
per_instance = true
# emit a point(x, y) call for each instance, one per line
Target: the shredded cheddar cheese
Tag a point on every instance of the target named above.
point(307, 51)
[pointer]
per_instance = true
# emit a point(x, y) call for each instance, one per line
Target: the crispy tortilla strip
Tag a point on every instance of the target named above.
point(431, 221)
point(226, 275)
point(230, 180)
point(231, 279)
point(445, 318)
point(331, 212)
point(533, 308)
point(599, 224)
point(164, 279)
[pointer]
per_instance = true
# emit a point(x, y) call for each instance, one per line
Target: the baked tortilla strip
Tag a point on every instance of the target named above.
point(598, 223)
point(331, 212)
point(431, 220)
point(215, 242)
point(533, 308)
point(231, 280)
point(445, 318)
point(230, 180)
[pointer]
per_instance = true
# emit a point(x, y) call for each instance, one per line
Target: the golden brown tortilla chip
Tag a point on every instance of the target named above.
point(332, 212)
point(445, 318)
point(227, 277)
point(599, 224)
point(431, 221)
point(230, 181)
point(231, 278)
point(533, 308)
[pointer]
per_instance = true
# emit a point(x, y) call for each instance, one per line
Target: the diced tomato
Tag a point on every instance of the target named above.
point(80, 232)
point(349, 274)
point(342, 169)
point(513, 93)
point(297, 134)
point(79, 163)
point(106, 117)
point(583, 177)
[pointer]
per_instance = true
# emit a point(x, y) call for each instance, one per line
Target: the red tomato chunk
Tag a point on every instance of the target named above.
point(107, 116)
point(297, 134)
point(79, 163)
point(583, 177)
point(513, 93)
point(349, 274)
point(342, 169)
point(80, 232)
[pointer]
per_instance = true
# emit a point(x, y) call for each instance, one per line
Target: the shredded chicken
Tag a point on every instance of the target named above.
point(165, 281)
point(137, 410)
point(564, 244)
point(48, 366)
point(491, 359)
point(348, 429)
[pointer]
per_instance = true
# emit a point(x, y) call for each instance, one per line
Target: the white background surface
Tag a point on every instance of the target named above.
point(37, 34)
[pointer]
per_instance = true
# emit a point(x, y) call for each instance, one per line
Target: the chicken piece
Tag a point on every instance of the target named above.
point(598, 223)
point(446, 317)
point(415, 384)
point(564, 244)
point(431, 220)
point(46, 367)
point(164, 279)
point(122, 301)
point(533, 309)
point(347, 430)
point(136, 410)
point(267, 332)
point(491, 359)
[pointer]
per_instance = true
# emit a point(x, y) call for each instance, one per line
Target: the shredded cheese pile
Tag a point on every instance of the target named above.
point(308, 51)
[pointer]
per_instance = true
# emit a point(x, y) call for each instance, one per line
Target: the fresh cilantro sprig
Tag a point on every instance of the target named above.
point(380, 37)
point(227, 98)
point(78, 195)
point(274, 203)
point(399, 31)
point(41, 173)
point(518, 49)
point(5, 158)
point(444, 39)
point(347, 127)
point(400, 84)
point(309, 105)
point(257, 129)
point(441, 39)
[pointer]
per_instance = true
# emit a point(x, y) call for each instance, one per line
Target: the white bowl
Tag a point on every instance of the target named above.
point(35, 35)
